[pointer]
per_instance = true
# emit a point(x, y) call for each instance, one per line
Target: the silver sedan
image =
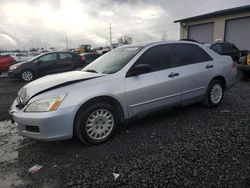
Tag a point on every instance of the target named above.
point(127, 82)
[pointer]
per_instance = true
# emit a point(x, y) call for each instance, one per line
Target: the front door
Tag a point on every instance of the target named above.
point(47, 64)
point(156, 89)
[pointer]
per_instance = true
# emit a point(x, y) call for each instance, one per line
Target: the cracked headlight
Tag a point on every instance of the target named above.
point(46, 104)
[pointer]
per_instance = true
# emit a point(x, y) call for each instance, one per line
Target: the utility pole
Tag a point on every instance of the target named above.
point(66, 41)
point(110, 37)
point(164, 35)
point(45, 42)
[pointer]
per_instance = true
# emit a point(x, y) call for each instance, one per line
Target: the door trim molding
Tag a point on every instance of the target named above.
point(154, 100)
point(166, 97)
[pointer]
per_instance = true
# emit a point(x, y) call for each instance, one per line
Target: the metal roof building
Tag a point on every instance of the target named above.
point(230, 25)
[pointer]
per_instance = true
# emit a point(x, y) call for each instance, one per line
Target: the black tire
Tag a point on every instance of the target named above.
point(27, 75)
point(80, 125)
point(208, 100)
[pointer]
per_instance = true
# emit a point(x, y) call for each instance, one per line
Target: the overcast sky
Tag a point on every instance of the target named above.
point(35, 23)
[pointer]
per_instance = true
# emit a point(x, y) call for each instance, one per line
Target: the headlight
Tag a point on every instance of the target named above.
point(46, 104)
point(14, 67)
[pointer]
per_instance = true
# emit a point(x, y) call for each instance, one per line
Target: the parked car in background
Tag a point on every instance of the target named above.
point(90, 57)
point(224, 48)
point(125, 83)
point(5, 62)
point(22, 57)
point(44, 64)
point(244, 67)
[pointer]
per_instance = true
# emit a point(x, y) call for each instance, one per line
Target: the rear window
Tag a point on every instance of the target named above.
point(216, 48)
point(64, 56)
point(187, 54)
point(226, 47)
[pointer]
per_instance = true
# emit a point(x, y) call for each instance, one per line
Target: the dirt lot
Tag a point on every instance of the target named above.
point(8, 92)
point(192, 146)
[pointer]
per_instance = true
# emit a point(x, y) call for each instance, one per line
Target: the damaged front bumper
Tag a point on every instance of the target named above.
point(45, 126)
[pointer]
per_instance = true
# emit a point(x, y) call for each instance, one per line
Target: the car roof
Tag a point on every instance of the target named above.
point(57, 52)
point(60, 52)
point(143, 44)
point(227, 43)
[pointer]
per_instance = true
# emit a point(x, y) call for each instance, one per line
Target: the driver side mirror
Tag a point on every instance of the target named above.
point(139, 69)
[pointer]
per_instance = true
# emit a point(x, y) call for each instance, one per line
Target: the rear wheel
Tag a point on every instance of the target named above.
point(95, 124)
point(27, 75)
point(215, 93)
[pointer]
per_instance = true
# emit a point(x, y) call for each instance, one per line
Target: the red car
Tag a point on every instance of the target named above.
point(5, 62)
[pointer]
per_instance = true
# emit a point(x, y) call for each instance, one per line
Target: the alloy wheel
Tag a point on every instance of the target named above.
point(216, 93)
point(27, 76)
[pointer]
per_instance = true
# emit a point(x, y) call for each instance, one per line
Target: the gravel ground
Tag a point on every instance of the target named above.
point(186, 147)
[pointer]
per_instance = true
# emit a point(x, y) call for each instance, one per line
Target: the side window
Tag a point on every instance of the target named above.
point(158, 57)
point(65, 56)
point(226, 47)
point(187, 54)
point(48, 57)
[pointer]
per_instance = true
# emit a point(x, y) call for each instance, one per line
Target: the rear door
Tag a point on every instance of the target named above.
point(196, 69)
point(66, 62)
point(158, 88)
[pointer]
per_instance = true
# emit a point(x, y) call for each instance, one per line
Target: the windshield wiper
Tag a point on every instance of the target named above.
point(91, 70)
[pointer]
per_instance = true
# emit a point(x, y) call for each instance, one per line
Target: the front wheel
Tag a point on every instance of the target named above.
point(215, 93)
point(96, 123)
point(27, 75)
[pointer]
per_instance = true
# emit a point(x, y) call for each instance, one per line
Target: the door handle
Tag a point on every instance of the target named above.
point(209, 66)
point(173, 74)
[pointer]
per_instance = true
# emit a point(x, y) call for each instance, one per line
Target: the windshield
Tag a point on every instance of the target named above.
point(113, 61)
point(33, 58)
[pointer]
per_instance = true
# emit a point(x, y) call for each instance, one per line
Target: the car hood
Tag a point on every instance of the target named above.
point(52, 82)
point(18, 64)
